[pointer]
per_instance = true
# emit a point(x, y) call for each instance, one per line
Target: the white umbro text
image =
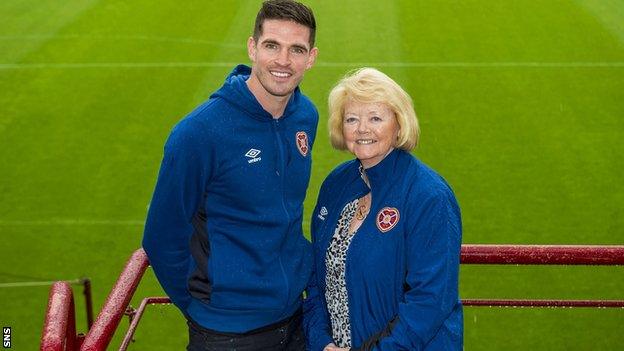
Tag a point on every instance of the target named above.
point(253, 155)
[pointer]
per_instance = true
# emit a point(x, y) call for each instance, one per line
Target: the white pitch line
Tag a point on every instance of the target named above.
point(70, 222)
point(9, 66)
point(40, 283)
point(79, 65)
point(117, 38)
point(472, 64)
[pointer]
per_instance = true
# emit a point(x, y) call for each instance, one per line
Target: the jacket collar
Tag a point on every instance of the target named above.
point(379, 174)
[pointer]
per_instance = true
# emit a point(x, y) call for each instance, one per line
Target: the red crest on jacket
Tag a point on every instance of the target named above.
point(302, 143)
point(387, 218)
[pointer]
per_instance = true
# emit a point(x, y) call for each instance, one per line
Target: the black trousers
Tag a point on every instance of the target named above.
point(286, 335)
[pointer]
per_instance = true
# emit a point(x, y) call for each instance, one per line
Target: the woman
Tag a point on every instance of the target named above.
point(386, 232)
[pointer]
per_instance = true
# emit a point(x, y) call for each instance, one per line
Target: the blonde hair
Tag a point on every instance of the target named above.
point(368, 85)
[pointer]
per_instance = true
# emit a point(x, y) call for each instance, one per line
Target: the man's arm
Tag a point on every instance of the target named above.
point(184, 173)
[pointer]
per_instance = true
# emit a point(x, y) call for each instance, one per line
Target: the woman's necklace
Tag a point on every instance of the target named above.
point(363, 175)
point(361, 212)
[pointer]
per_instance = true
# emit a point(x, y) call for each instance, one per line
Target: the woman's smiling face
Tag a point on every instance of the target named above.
point(370, 131)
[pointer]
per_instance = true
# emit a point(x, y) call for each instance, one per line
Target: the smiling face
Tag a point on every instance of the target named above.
point(280, 57)
point(370, 131)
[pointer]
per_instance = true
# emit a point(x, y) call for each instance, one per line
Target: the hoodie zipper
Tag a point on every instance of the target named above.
point(279, 171)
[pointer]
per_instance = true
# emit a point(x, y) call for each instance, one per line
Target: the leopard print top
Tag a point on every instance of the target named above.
point(336, 291)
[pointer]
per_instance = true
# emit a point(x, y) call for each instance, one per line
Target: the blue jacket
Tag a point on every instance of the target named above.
point(223, 233)
point(402, 264)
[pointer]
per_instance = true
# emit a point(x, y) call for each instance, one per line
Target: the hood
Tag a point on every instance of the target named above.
point(236, 92)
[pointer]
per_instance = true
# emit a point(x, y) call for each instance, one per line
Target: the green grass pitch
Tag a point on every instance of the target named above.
point(521, 105)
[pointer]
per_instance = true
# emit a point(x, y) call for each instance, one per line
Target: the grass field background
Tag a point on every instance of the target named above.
point(521, 105)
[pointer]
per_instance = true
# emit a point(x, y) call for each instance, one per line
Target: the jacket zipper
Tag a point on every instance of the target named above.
point(328, 243)
point(347, 258)
point(279, 171)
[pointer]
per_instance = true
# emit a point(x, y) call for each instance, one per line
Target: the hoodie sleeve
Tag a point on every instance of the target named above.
point(315, 319)
point(433, 251)
point(184, 173)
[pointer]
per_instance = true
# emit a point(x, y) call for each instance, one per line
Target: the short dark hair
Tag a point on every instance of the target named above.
point(285, 10)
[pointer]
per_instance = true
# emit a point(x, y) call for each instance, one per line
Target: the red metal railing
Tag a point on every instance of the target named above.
point(103, 329)
point(135, 316)
point(543, 255)
point(59, 328)
point(116, 305)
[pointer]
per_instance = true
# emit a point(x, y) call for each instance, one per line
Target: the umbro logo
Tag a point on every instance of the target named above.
point(253, 155)
point(322, 213)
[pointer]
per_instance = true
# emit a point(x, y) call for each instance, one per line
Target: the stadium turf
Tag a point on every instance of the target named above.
point(520, 103)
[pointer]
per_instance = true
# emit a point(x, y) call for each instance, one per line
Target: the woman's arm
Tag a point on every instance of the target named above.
point(316, 322)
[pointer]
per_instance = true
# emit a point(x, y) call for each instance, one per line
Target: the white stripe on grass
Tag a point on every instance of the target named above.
point(118, 38)
point(37, 283)
point(72, 222)
point(9, 66)
point(472, 64)
point(123, 65)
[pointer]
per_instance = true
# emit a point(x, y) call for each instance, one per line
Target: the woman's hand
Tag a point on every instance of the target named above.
point(333, 347)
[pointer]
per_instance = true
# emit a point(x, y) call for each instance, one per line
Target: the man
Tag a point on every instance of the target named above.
point(223, 232)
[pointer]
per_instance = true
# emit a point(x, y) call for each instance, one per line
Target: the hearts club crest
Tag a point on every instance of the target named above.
point(387, 218)
point(302, 143)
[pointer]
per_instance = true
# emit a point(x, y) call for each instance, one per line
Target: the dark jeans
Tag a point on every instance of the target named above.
point(286, 335)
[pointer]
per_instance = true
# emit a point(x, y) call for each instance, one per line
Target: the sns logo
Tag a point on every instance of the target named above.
point(253, 155)
point(387, 218)
point(322, 213)
point(6, 337)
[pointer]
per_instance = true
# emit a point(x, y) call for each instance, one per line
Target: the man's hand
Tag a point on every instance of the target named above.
point(333, 347)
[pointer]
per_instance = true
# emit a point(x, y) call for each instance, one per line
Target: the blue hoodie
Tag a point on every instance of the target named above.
point(223, 231)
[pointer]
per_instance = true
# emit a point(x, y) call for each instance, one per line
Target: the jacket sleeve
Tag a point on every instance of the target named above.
point(180, 187)
point(433, 251)
point(316, 322)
